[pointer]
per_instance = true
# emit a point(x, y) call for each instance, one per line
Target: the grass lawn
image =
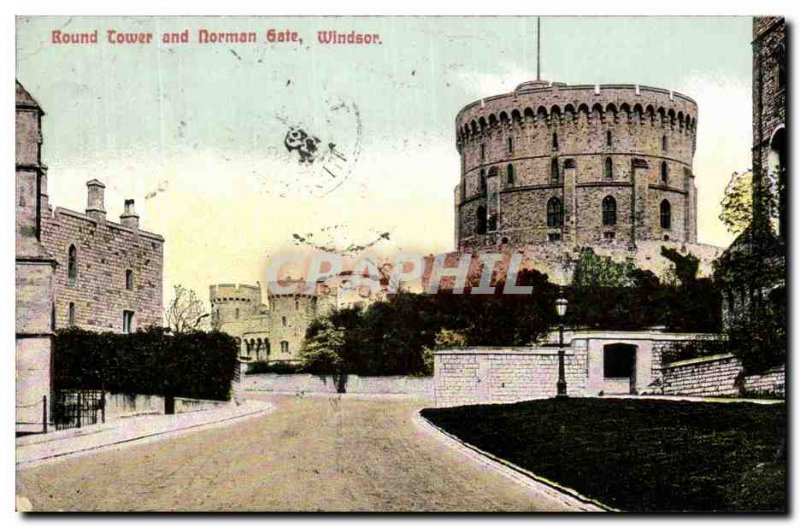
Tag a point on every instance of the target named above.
point(639, 454)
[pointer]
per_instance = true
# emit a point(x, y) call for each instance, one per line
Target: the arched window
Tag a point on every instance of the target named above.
point(663, 143)
point(283, 321)
point(480, 220)
point(237, 313)
point(296, 304)
point(267, 347)
point(555, 213)
point(609, 211)
point(608, 138)
point(510, 175)
point(555, 176)
point(483, 151)
point(71, 315)
point(284, 347)
point(555, 142)
point(129, 280)
point(482, 183)
point(72, 263)
point(664, 171)
point(609, 169)
point(666, 214)
point(510, 145)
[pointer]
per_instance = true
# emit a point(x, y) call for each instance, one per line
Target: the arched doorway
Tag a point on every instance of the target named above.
point(619, 368)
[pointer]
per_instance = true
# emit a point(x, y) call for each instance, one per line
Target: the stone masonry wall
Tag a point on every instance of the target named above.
point(475, 376)
point(354, 384)
point(720, 375)
point(105, 250)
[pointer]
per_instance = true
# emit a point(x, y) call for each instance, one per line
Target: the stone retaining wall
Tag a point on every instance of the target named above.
point(719, 376)
point(120, 405)
point(296, 383)
point(475, 376)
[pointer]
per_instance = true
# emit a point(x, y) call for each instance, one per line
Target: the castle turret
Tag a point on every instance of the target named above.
point(129, 218)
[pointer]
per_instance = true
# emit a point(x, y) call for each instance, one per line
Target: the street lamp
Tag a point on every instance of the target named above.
point(561, 385)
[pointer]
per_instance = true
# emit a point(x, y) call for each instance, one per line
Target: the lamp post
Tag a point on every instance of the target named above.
point(561, 385)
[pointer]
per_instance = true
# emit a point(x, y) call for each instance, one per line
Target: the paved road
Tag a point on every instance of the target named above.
point(309, 454)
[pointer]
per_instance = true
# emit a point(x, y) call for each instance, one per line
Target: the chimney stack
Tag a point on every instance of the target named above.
point(129, 218)
point(95, 207)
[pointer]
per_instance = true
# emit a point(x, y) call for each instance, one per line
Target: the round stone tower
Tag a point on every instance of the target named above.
point(563, 166)
point(231, 302)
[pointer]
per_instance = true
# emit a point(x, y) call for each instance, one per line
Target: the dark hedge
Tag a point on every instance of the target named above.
point(196, 364)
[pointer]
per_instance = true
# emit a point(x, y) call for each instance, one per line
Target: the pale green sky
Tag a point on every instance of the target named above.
point(200, 128)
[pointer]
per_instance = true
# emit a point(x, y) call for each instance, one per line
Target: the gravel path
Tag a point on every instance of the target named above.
point(309, 454)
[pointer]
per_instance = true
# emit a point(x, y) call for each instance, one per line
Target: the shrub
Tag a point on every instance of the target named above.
point(273, 367)
point(150, 362)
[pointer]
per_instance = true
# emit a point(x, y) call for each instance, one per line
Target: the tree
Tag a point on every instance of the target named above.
point(185, 312)
point(737, 204)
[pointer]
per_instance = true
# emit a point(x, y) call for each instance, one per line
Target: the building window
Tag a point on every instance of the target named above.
point(608, 138)
point(555, 176)
point(284, 347)
point(127, 321)
point(664, 171)
point(72, 264)
point(237, 313)
point(510, 145)
point(482, 183)
point(510, 175)
point(71, 315)
point(283, 321)
point(555, 142)
point(663, 143)
point(129, 280)
point(781, 58)
point(483, 152)
point(609, 235)
point(609, 169)
point(609, 211)
point(480, 220)
point(555, 213)
point(296, 304)
point(554, 236)
point(666, 214)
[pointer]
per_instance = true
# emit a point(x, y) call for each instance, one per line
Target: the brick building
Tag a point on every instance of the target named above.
point(72, 268)
point(110, 276)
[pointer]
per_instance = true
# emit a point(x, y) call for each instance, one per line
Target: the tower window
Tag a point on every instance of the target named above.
point(127, 321)
point(71, 315)
point(72, 264)
point(483, 151)
point(664, 171)
point(510, 145)
point(609, 169)
point(480, 220)
point(608, 138)
point(555, 142)
point(284, 347)
point(482, 183)
point(664, 143)
point(609, 211)
point(510, 175)
point(129, 280)
point(283, 321)
point(555, 213)
point(666, 214)
point(555, 176)
point(237, 313)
